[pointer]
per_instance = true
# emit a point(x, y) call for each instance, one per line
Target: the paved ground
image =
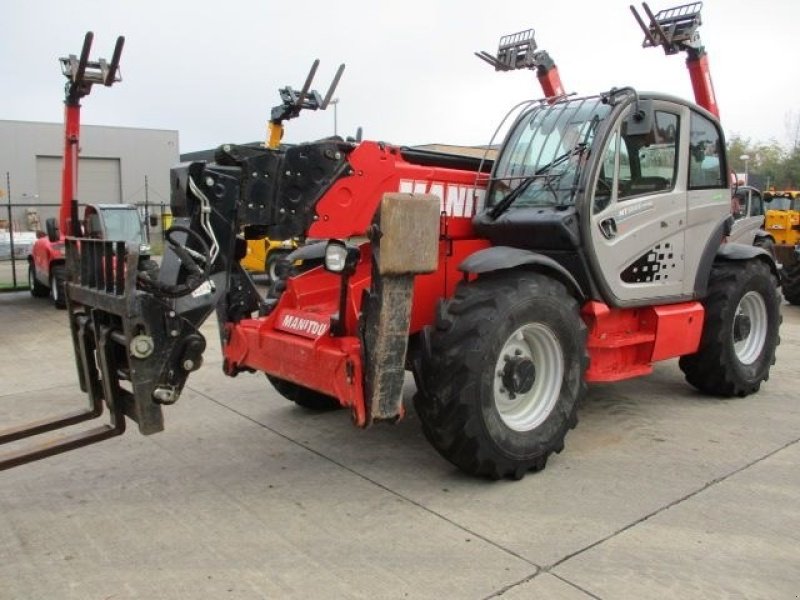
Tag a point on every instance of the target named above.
point(660, 493)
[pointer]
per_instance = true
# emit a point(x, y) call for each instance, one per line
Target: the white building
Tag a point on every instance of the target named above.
point(117, 164)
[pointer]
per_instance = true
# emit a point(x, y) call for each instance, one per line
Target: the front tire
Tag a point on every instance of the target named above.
point(740, 332)
point(58, 276)
point(505, 376)
point(37, 289)
point(303, 396)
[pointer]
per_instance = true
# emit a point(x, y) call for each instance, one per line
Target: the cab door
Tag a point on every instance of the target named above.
point(639, 207)
point(749, 216)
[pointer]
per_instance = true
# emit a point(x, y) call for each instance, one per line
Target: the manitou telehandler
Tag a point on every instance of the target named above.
point(46, 262)
point(591, 249)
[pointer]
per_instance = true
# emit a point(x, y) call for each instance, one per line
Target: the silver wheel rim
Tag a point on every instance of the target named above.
point(30, 276)
point(748, 346)
point(53, 288)
point(527, 409)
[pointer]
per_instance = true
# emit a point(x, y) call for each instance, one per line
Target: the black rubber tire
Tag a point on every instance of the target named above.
point(37, 289)
point(456, 404)
point(303, 396)
point(58, 278)
point(273, 261)
point(791, 283)
point(715, 369)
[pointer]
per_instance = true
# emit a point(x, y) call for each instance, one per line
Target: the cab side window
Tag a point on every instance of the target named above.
point(706, 168)
point(739, 205)
point(756, 205)
point(636, 165)
point(653, 157)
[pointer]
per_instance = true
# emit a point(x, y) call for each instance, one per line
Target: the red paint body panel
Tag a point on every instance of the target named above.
point(678, 329)
point(348, 207)
point(623, 343)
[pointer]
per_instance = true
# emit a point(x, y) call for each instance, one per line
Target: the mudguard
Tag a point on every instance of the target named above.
point(498, 258)
point(745, 252)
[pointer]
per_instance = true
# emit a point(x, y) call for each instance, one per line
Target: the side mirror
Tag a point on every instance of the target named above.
point(640, 121)
point(767, 196)
point(51, 226)
point(153, 220)
point(40, 234)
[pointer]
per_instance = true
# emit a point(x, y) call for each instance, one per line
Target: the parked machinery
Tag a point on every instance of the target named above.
point(749, 209)
point(783, 223)
point(588, 251)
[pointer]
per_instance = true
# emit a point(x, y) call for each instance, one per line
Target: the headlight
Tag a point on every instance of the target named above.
point(340, 258)
point(335, 256)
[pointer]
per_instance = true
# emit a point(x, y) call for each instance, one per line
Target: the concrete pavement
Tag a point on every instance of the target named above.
point(660, 493)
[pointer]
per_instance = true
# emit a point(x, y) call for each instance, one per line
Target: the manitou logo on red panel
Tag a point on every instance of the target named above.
point(457, 200)
point(302, 324)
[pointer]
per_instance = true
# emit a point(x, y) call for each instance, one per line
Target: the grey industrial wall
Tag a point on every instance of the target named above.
point(113, 167)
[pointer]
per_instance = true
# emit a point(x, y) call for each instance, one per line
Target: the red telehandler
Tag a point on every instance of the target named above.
point(586, 251)
point(46, 263)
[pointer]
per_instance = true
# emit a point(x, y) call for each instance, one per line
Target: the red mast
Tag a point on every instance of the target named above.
point(81, 74)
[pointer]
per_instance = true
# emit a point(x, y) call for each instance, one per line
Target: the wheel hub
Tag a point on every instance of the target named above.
point(519, 375)
point(741, 327)
point(527, 377)
point(750, 327)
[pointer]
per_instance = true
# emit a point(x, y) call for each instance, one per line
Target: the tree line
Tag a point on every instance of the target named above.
point(769, 163)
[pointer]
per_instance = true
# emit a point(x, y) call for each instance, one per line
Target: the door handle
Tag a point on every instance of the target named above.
point(608, 227)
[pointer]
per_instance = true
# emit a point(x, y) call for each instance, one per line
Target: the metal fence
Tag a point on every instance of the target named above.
point(21, 223)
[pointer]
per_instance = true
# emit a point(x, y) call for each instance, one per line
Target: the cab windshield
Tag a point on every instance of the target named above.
point(782, 201)
point(545, 153)
point(123, 225)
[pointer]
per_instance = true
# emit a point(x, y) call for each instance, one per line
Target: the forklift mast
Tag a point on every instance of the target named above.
point(81, 74)
point(676, 30)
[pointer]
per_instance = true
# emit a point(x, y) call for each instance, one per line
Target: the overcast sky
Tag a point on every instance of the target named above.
point(211, 70)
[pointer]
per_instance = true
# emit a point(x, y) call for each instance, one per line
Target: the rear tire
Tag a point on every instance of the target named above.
point(303, 396)
point(506, 374)
point(740, 332)
point(58, 277)
point(791, 283)
point(37, 289)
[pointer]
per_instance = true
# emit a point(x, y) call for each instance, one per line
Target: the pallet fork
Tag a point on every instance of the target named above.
point(676, 30)
point(519, 51)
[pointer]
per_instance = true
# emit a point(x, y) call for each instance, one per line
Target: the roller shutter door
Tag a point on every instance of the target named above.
point(99, 180)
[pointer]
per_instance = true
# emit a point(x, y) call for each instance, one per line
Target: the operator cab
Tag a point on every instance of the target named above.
point(117, 222)
point(615, 188)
